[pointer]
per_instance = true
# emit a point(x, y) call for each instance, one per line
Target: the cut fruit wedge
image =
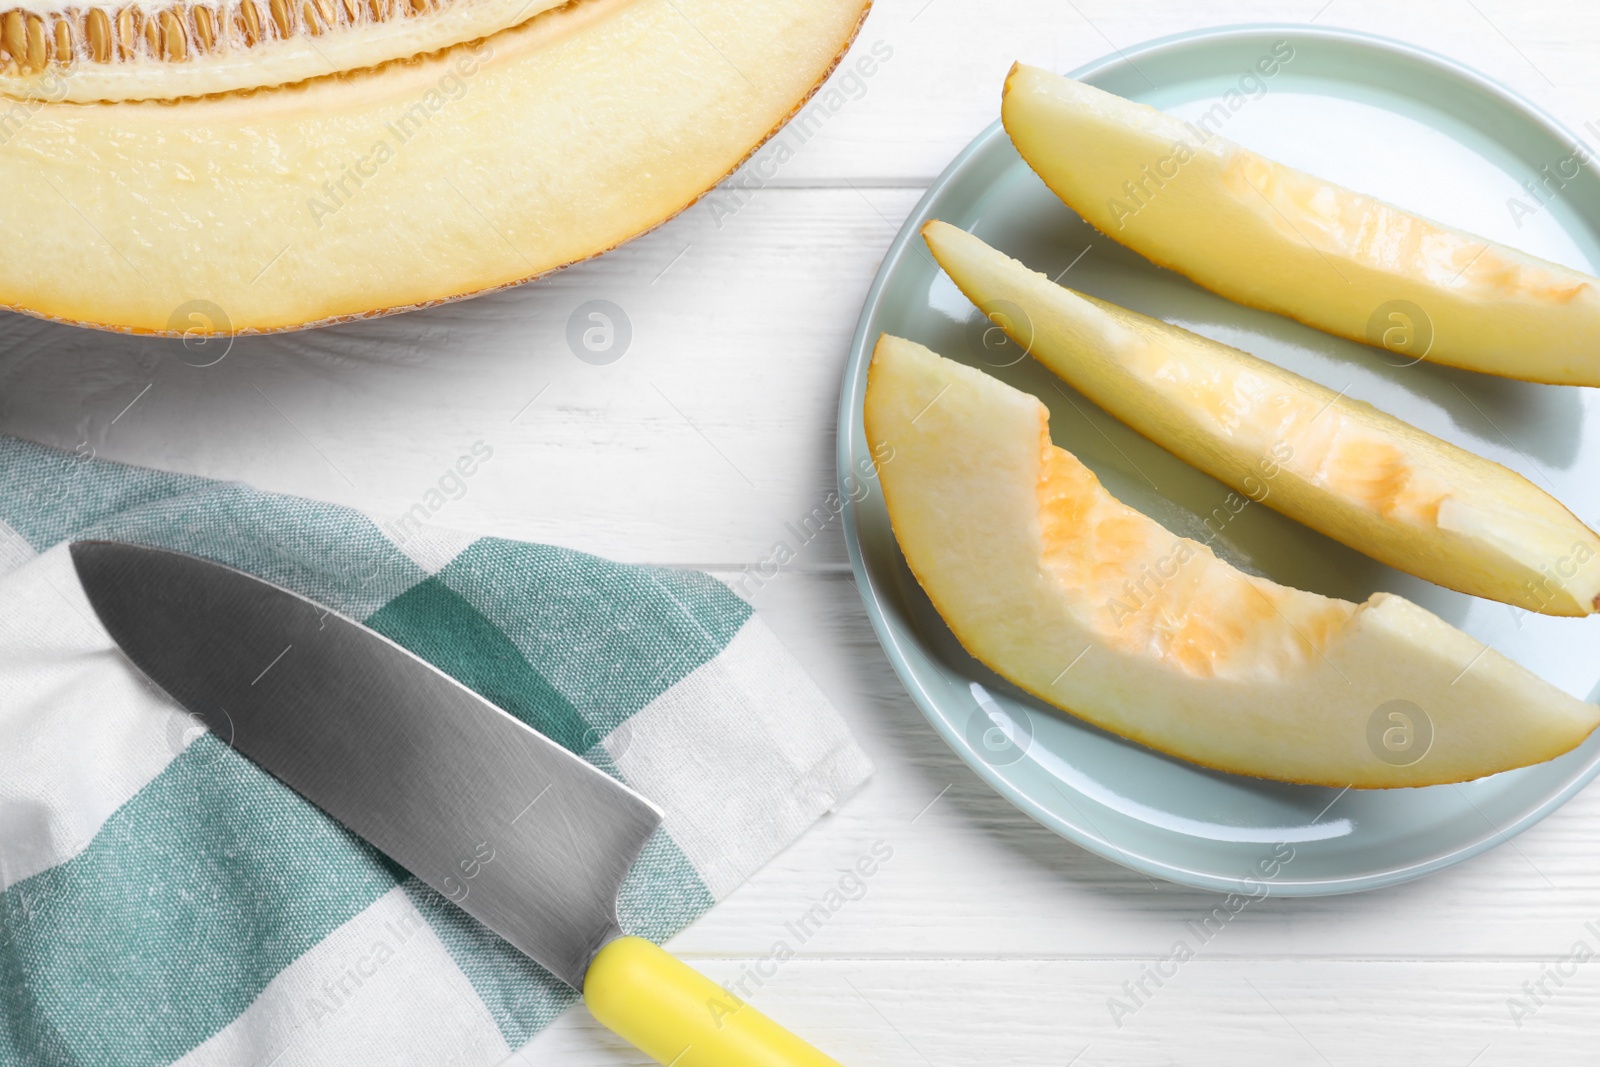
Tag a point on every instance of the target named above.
point(1340, 466)
point(1265, 235)
point(454, 172)
point(1089, 605)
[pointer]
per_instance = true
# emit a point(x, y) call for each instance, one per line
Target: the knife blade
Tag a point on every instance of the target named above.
point(525, 836)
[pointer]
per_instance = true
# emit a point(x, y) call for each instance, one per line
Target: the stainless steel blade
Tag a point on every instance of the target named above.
point(528, 838)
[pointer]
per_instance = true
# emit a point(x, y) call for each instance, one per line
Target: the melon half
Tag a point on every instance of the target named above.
point(1341, 466)
point(1266, 235)
point(1093, 607)
point(449, 167)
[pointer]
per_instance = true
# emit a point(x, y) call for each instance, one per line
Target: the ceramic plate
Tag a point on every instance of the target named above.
point(1370, 114)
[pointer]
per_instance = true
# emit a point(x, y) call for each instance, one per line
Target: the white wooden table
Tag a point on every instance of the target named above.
point(985, 939)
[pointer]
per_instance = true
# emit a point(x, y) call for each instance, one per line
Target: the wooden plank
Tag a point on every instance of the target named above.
point(1207, 1013)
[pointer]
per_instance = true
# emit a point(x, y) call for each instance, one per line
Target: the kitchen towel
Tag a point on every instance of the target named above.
point(163, 900)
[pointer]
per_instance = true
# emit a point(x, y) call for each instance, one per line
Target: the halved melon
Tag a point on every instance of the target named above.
point(1339, 465)
point(1263, 234)
point(424, 179)
point(1089, 605)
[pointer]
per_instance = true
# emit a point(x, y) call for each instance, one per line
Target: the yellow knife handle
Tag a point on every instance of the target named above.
point(678, 1016)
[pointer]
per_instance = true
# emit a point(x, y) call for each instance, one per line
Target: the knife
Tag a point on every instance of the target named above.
point(526, 837)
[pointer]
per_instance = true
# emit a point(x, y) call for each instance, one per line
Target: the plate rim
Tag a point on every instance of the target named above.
point(849, 412)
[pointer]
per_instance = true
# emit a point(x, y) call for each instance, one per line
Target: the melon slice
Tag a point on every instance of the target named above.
point(421, 180)
point(1089, 605)
point(1265, 235)
point(1340, 466)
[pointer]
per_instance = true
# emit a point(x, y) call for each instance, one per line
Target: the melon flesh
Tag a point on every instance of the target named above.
point(1269, 236)
point(426, 179)
point(1095, 608)
point(1340, 466)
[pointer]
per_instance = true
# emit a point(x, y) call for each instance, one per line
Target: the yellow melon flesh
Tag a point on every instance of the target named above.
point(1054, 584)
point(1263, 234)
point(1340, 466)
point(423, 180)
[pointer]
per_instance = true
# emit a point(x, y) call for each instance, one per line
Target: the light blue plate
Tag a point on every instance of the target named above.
point(1374, 115)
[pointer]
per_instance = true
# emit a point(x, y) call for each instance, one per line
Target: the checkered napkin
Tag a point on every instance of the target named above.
point(162, 900)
